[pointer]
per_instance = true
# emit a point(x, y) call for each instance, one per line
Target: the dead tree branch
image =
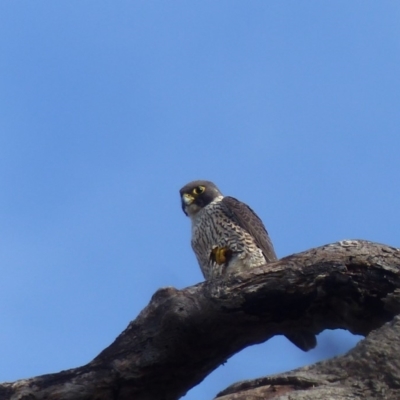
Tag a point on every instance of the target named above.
point(369, 371)
point(183, 335)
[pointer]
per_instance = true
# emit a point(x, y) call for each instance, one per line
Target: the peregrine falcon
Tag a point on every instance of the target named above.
point(227, 236)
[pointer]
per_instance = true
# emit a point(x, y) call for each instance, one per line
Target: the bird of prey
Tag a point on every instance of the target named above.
point(227, 236)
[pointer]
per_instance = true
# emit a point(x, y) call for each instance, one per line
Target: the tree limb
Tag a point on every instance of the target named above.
point(369, 371)
point(183, 335)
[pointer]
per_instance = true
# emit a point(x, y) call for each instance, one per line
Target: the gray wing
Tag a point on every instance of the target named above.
point(247, 219)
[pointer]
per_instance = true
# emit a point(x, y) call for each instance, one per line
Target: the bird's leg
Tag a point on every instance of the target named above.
point(221, 255)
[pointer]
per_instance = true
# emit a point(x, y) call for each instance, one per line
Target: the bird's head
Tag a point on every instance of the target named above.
point(196, 195)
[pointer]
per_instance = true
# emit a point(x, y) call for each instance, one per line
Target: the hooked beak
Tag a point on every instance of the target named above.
point(187, 199)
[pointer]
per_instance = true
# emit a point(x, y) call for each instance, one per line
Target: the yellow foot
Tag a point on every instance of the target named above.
point(221, 255)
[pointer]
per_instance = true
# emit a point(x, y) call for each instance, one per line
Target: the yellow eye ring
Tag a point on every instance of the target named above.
point(199, 190)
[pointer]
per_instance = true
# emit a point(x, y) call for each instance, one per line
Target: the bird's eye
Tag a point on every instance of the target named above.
point(199, 190)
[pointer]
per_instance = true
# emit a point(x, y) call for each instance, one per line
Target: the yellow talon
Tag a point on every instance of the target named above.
point(221, 255)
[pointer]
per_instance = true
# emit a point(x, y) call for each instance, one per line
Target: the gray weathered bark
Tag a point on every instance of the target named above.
point(183, 335)
point(370, 371)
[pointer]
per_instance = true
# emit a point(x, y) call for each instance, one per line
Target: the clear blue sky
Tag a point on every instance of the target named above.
point(108, 108)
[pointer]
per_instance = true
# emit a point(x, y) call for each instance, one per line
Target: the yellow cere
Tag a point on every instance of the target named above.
point(188, 199)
